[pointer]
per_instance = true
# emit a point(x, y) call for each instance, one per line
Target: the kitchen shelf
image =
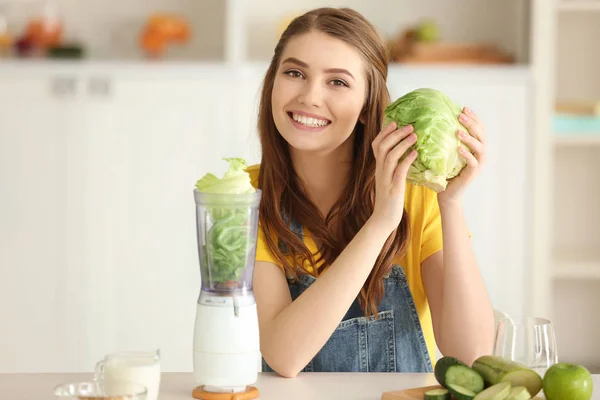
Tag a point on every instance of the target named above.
point(577, 139)
point(579, 5)
point(570, 264)
point(594, 369)
point(257, 25)
point(565, 125)
point(576, 328)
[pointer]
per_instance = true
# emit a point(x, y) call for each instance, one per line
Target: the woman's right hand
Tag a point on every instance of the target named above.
point(390, 176)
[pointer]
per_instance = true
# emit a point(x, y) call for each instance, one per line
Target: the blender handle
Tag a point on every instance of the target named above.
point(99, 371)
point(236, 307)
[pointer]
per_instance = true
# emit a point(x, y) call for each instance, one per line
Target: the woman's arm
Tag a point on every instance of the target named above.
point(462, 314)
point(461, 311)
point(291, 333)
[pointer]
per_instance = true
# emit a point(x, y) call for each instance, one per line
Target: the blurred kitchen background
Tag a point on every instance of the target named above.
point(111, 110)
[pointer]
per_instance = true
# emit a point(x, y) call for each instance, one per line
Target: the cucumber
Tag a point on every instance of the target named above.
point(461, 393)
point(442, 365)
point(465, 377)
point(499, 391)
point(495, 369)
point(437, 394)
point(519, 393)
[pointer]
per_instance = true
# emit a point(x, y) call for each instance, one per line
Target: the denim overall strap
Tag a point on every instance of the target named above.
point(393, 342)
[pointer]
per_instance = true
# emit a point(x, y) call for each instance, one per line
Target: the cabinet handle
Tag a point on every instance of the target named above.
point(99, 87)
point(63, 87)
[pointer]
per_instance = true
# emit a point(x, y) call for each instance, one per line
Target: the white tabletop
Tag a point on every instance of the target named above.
point(313, 386)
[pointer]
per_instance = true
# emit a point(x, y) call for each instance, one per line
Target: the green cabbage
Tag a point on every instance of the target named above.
point(434, 117)
point(229, 239)
point(228, 243)
point(235, 181)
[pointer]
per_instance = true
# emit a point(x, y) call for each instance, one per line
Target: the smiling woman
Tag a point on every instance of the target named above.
point(313, 93)
point(350, 272)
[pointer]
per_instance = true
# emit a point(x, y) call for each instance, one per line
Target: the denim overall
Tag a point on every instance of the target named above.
point(392, 343)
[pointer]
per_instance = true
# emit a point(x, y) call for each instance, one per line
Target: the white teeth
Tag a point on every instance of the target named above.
point(309, 121)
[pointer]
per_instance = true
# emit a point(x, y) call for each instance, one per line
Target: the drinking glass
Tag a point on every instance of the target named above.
point(527, 340)
point(142, 367)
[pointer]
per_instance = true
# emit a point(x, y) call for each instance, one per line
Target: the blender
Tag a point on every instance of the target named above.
point(226, 336)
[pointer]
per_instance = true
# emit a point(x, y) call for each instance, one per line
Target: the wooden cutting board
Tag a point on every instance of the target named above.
point(417, 394)
point(409, 394)
point(453, 53)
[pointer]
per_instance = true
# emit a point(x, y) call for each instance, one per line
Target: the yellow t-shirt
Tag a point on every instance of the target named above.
point(426, 239)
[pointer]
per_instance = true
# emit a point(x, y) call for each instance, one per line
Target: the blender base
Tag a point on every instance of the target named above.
point(250, 393)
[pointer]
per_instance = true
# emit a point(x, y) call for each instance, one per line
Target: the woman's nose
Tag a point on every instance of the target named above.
point(312, 95)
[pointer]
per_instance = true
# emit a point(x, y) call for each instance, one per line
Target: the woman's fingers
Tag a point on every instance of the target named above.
point(472, 143)
point(472, 162)
point(395, 154)
point(392, 139)
point(470, 121)
point(402, 169)
point(382, 135)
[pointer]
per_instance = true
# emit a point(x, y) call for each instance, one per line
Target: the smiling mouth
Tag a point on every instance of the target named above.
point(309, 122)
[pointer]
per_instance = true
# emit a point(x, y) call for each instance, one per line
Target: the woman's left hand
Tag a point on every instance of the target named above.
point(474, 139)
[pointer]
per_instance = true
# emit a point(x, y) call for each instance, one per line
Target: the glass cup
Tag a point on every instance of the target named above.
point(99, 390)
point(131, 366)
point(527, 340)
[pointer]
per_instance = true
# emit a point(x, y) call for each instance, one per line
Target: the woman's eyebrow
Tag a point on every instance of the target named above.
point(293, 60)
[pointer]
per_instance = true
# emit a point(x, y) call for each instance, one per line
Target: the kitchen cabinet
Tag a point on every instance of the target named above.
point(97, 177)
point(146, 144)
point(98, 232)
point(33, 211)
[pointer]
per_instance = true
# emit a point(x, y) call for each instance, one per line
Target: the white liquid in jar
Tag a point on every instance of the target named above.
point(144, 371)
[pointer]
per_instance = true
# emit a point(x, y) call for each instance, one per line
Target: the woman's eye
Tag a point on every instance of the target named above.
point(339, 82)
point(293, 74)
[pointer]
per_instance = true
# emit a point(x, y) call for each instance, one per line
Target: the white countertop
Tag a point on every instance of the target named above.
point(179, 386)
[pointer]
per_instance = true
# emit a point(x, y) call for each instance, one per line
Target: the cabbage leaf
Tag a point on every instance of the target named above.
point(434, 117)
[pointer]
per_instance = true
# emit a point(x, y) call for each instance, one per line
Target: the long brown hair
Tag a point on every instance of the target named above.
point(282, 191)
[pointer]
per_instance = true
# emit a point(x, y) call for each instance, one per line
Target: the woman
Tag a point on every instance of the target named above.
point(350, 274)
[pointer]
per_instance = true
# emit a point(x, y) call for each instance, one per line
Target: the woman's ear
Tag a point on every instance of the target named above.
point(362, 118)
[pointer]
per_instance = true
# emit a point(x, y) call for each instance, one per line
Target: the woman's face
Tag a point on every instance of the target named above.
point(318, 93)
